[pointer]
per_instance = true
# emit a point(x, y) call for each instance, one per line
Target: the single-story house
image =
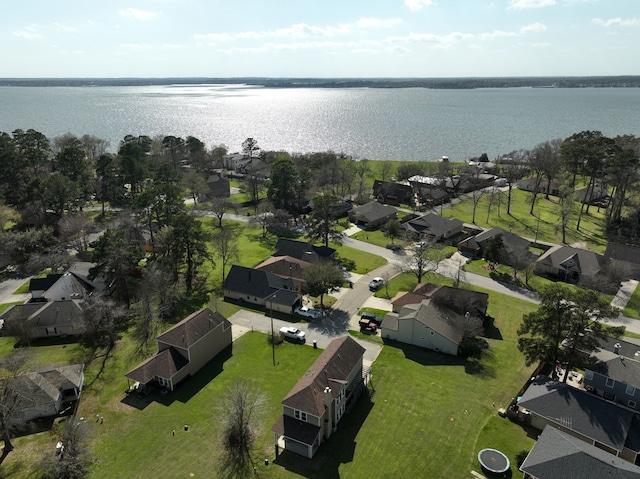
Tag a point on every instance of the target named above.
point(53, 318)
point(312, 409)
point(392, 193)
point(372, 215)
point(47, 393)
point(303, 250)
point(429, 190)
point(570, 264)
point(434, 227)
point(425, 324)
point(557, 454)
point(184, 349)
point(475, 245)
point(218, 186)
point(262, 288)
point(545, 187)
point(614, 372)
point(60, 287)
point(603, 424)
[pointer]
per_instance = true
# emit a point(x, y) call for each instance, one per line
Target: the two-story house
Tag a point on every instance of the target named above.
point(614, 372)
point(184, 349)
point(313, 408)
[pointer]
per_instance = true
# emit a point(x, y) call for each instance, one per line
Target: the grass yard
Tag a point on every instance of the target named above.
point(632, 309)
point(590, 236)
point(5, 306)
point(364, 261)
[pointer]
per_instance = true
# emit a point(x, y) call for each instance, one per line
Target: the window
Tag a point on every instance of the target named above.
point(631, 404)
point(610, 382)
point(631, 390)
point(300, 415)
point(588, 374)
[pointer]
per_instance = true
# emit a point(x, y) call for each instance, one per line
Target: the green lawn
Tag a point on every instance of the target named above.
point(591, 234)
point(5, 306)
point(632, 309)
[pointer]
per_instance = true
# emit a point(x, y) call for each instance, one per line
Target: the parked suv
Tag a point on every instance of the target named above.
point(371, 318)
point(376, 283)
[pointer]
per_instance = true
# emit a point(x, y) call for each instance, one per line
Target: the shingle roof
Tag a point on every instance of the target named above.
point(284, 266)
point(259, 283)
point(557, 454)
point(372, 211)
point(332, 369)
point(435, 225)
point(302, 250)
point(445, 322)
point(43, 284)
point(296, 429)
point(568, 258)
point(616, 367)
point(163, 364)
point(38, 388)
point(193, 328)
point(578, 411)
point(50, 314)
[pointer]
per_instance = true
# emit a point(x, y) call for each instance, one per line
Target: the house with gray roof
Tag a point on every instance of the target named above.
point(184, 349)
point(47, 393)
point(557, 454)
point(60, 287)
point(601, 423)
point(218, 186)
point(303, 250)
point(285, 266)
point(425, 324)
point(570, 264)
point(434, 227)
point(263, 288)
point(53, 318)
point(614, 372)
point(313, 408)
point(625, 258)
point(475, 245)
point(392, 193)
point(372, 215)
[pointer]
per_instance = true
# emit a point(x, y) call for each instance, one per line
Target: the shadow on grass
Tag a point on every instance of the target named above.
point(475, 366)
point(184, 391)
point(337, 450)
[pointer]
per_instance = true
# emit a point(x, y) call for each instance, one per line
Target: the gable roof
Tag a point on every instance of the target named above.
point(445, 322)
point(50, 314)
point(284, 266)
point(628, 347)
point(558, 454)
point(261, 284)
point(332, 369)
point(578, 411)
point(302, 250)
point(433, 224)
point(43, 284)
point(457, 299)
point(38, 388)
point(193, 328)
point(509, 240)
point(616, 367)
point(566, 258)
point(164, 364)
point(372, 211)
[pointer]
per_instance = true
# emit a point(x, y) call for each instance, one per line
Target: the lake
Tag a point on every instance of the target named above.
point(377, 123)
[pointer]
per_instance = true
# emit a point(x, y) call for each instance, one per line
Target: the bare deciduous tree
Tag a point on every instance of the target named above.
point(240, 413)
point(11, 398)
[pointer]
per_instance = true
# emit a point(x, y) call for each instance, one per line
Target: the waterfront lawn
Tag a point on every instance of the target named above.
point(590, 236)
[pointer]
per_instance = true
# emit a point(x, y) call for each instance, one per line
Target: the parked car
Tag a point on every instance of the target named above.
point(294, 334)
point(368, 326)
point(307, 312)
point(376, 283)
point(371, 318)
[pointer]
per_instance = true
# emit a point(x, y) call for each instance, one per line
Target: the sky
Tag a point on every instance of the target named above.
point(318, 38)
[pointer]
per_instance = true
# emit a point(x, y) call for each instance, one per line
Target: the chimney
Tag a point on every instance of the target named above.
point(616, 348)
point(328, 405)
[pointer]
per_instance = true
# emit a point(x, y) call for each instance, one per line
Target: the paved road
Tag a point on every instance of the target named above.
point(322, 331)
point(8, 286)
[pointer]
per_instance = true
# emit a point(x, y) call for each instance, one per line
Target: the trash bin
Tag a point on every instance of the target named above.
point(315, 344)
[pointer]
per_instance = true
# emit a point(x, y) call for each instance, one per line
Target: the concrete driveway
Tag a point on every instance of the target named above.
point(321, 331)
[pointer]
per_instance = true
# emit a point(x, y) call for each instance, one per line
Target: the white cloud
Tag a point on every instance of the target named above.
point(617, 22)
point(139, 47)
point(541, 45)
point(378, 22)
point(32, 32)
point(214, 37)
point(533, 28)
point(66, 28)
point(524, 4)
point(415, 5)
point(496, 34)
point(137, 14)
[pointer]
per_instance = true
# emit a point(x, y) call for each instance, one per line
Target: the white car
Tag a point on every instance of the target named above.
point(289, 332)
point(376, 283)
point(307, 312)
